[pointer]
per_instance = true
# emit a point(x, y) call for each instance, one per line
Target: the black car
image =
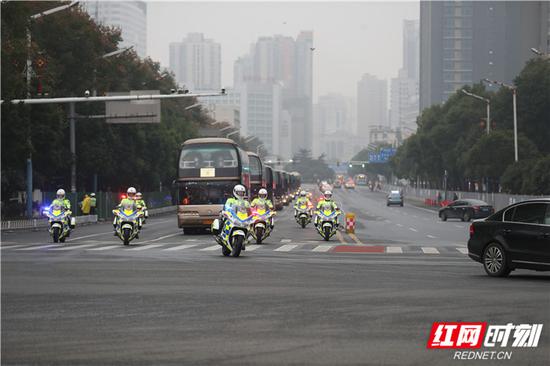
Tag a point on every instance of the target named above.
point(515, 237)
point(466, 209)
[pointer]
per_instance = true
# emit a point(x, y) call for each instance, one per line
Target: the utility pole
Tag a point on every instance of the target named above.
point(486, 100)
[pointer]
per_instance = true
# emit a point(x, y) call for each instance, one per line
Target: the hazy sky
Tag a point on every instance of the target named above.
point(351, 38)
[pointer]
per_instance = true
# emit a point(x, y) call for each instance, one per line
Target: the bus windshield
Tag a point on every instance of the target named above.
point(209, 161)
point(205, 192)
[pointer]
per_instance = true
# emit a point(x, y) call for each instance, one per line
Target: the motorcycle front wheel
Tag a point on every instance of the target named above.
point(226, 252)
point(303, 223)
point(55, 234)
point(327, 233)
point(126, 233)
point(259, 235)
point(237, 245)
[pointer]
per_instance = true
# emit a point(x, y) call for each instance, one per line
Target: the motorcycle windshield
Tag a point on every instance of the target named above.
point(242, 215)
point(328, 213)
point(130, 214)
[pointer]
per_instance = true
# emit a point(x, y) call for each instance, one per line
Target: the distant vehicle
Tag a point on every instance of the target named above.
point(361, 179)
point(350, 184)
point(517, 236)
point(395, 198)
point(257, 180)
point(466, 209)
point(337, 184)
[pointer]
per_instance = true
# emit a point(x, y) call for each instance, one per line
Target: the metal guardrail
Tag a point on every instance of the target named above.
point(497, 200)
point(88, 219)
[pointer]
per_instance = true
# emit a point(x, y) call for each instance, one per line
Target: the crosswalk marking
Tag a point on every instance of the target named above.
point(430, 236)
point(105, 247)
point(252, 247)
point(40, 247)
point(322, 248)
point(285, 248)
point(463, 250)
point(150, 246)
point(74, 247)
point(165, 237)
point(213, 247)
point(180, 247)
point(413, 229)
point(430, 250)
point(394, 250)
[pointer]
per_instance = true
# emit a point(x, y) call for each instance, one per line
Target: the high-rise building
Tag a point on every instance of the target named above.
point(372, 108)
point(462, 42)
point(411, 48)
point(129, 16)
point(196, 62)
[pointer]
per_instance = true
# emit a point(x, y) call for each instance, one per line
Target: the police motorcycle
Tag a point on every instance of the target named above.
point(327, 221)
point(303, 215)
point(58, 219)
point(261, 220)
point(235, 230)
point(128, 223)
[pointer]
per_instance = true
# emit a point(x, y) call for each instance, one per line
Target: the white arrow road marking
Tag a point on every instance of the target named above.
point(180, 247)
point(322, 248)
point(394, 250)
point(430, 250)
point(285, 248)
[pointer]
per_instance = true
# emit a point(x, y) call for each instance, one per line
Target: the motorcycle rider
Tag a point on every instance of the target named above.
point(323, 203)
point(127, 203)
point(65, 204)
point(302, 200)
point(141, 203)
point(262, 202)
point(235, 203)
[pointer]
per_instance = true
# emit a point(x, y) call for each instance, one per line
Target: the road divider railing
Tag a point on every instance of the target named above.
point(80, 220)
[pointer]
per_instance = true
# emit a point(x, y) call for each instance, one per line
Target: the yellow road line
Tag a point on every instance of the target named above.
point(355, 238)
point(340, 237)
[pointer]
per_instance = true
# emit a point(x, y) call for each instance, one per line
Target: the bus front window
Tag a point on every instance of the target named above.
point(205, 193)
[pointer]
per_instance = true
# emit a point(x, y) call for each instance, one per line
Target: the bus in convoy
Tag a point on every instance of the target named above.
point(295, 183)
point(208, 170)
point(278, 190)
point(361, 180)
point(269, 181)
point(256, 174)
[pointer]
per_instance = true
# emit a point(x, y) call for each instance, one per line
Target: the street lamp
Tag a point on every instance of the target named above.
point(488, 101)
point(28, 85)
point(513, 88)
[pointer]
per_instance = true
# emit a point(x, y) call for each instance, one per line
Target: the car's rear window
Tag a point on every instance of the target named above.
point(531, 213)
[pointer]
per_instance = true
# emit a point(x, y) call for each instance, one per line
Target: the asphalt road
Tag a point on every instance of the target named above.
point(173, 299)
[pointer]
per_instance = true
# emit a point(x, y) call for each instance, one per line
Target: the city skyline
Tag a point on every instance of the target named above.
point(357, 24)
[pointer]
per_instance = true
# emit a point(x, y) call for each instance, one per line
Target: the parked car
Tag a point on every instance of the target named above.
point(517, 236)
point(395, 198)
point(466, 209)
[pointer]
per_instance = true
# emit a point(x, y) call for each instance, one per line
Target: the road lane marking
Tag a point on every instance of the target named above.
point(90, 236)
point(322, 248)
point(286, 240)
point(213, 247)
point(459, 226)
point(399, 225)
point(145, 247)
point(191, 240)
point(164, 237)
point(252, 247)
point(413, 229)
point(355, 238)
point(106, 247)
point(11, 246)
point(394, 250)
point(74, 247)
point(340, 237)
point(40, 247)
point(463, 250)
point(180, 247)
point(285, 248)
point(430, 250)
point(431, 236)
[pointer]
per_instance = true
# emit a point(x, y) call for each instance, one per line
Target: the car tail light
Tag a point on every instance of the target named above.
point(472, 230)
point(476, 208)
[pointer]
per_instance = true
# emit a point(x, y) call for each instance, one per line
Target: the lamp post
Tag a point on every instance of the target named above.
point(513, 88)
point(28, 72)
point(486, 100)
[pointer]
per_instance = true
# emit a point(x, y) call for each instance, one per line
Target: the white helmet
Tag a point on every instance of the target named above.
point(303, 193)
point(139, 195)
point(239, 191)
point(328, 195)
point(131, 191)
point(92, 194)
point(60, 193)
point(262, 193)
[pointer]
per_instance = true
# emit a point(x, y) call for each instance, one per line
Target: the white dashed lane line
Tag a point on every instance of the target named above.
point(105, 247)
point(180, 247)
point(398, 250)
point(430, 250)
point(285, 248)
point(322, 248)
point(413, 229)
point(431, 236)
point(145, 247)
